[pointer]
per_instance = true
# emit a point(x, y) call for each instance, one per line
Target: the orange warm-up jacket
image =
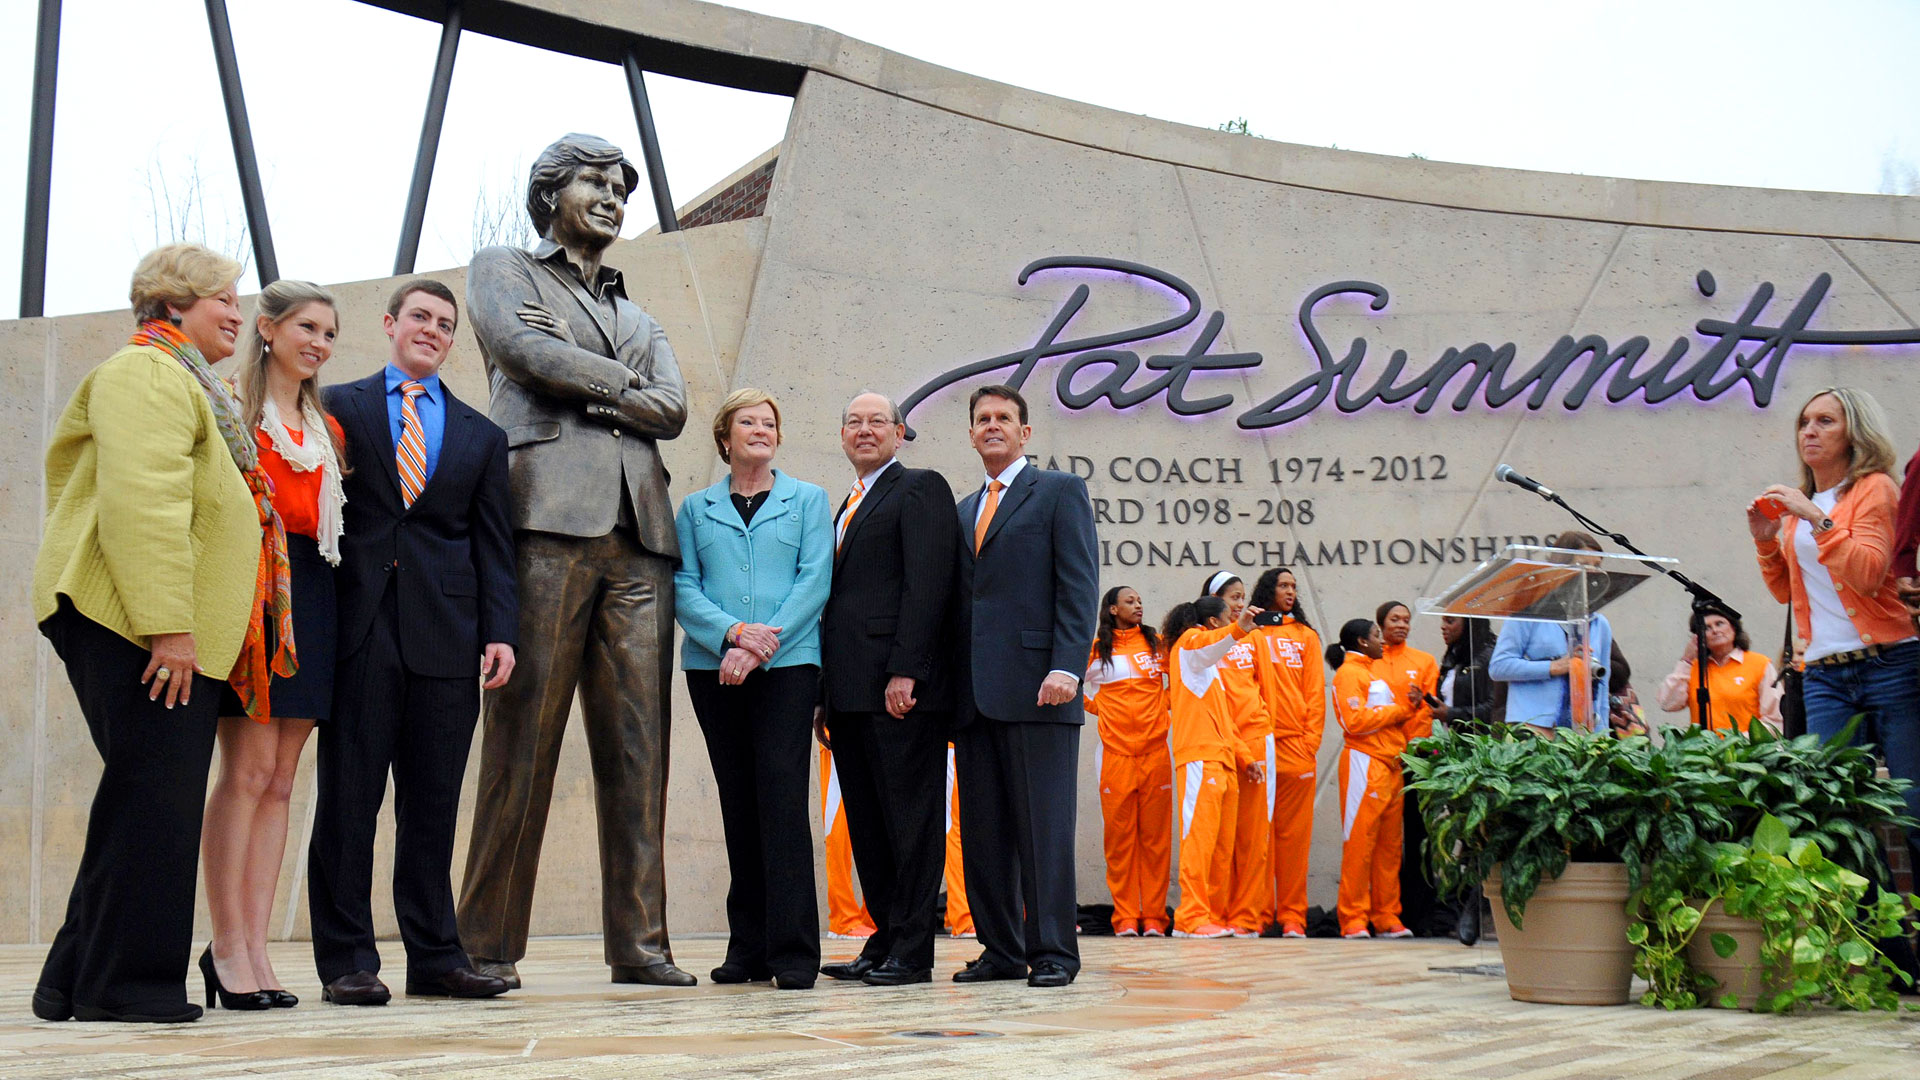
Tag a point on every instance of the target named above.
point(1376, 730)
point(1202, 727)
point(1293, 683)
point(1128, 696)
point(1401, 666)
point(1245, 705)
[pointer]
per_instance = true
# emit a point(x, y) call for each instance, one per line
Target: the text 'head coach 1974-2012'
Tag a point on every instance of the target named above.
point(1029, 586)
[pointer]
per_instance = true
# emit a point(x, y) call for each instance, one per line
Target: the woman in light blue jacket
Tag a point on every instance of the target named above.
point(1532, 658)
point(756, 559)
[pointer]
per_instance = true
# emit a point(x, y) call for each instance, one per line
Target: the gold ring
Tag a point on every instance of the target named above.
point(162, 674)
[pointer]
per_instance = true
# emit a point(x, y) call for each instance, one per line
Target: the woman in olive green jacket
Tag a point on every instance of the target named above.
point(149, 583)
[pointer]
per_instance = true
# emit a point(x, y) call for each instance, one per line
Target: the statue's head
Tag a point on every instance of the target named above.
point(577, 190)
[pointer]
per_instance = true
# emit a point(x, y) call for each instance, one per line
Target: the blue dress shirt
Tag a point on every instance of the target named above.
point(1524, 654)
point(432, 407)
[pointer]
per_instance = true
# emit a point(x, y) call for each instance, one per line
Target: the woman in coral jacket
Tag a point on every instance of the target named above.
point(1248, 888)
point(1204, 757)
point(1294, 687)
point(1126, 692)
point(1375, 723)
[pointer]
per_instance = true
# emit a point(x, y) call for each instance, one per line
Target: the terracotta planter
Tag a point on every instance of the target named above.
point(1573, 949)
point(1739, 974)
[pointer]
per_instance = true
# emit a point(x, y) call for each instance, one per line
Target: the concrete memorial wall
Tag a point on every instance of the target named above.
point(1257, 354)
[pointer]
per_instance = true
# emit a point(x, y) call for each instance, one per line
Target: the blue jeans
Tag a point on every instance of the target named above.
point(1887, 689)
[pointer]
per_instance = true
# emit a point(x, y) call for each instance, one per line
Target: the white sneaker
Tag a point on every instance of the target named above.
point(1290, 932)
point(1237, 932)
point(1357, 935)
point(963, 934)
point(1208, 930)
point(1397, 932)
point(1128, 932)
point(1153, 931)
point(831, 936)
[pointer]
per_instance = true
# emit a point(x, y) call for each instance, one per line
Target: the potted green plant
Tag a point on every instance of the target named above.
point(1553, 826)
point(1773, 924)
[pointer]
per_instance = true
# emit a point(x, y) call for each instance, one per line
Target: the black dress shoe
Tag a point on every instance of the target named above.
point(358, 988)
point(793, 980)
point(897, 972)
point(1049, 973)
point(981, 970)
point(282, 999)
point(51, 1004)
point(252, 1001)
point(169, 1012)
point(1468, 929)
point(730, 973)
point(855, 968)
point(461, 982)
point(660, 974)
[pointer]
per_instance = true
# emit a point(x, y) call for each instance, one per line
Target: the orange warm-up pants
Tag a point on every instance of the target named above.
point(1136, 805)
point(846, 914)
point(1371, 798)
point(1292, 787)
point(1249, 887)
point(1209, 810)
point(959, 915)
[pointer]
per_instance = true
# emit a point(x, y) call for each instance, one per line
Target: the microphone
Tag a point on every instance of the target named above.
point(1506, 474)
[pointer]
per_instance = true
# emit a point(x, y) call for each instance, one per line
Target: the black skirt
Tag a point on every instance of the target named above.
point(308, 693)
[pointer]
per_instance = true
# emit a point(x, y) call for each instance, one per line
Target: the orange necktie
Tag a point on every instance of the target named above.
point(411, 455)
point(846, 516)
point(986, 514)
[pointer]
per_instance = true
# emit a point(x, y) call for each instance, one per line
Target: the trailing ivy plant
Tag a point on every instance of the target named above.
point(1818, 939)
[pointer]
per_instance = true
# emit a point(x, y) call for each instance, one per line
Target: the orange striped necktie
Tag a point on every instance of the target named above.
point(846, 516)
point(411, 455)
point(986, 514)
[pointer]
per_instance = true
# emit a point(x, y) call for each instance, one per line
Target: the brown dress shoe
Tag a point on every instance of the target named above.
point(461, 982)
point(660, 974)
point(499, 969)
point(359, 988)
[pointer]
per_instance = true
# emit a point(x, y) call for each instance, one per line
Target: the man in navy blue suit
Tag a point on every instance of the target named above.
point(428, 607)
point(1029, 587)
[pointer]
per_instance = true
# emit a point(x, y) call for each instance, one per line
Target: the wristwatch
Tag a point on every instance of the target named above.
point(1825, 524)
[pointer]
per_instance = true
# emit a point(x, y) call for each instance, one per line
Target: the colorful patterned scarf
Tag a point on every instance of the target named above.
point(273, 578)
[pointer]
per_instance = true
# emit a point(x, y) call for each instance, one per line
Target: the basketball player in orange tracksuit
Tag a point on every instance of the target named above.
point(1375, 724)
point(1294, 687)
point(1404, 667)
point(846, 915)
point(959, 915)
point(1204, 758)
point(1248, 888)
point(1127, 693)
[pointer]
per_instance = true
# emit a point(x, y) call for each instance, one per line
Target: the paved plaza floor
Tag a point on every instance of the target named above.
point(1372, 1010)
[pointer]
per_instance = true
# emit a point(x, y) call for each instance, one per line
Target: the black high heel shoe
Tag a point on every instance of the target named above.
point(253, 1002)
point(281, 999)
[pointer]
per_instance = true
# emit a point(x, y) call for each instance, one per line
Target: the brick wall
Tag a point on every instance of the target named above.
point(746, 198)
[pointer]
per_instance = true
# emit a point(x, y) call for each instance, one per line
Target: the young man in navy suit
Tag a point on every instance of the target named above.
point(1029, 588)
point(427, 610)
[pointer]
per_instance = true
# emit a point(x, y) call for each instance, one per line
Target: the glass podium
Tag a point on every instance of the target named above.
point(1562, 586)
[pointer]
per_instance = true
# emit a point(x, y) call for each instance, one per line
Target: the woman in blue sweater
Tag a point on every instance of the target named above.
point(756, 559)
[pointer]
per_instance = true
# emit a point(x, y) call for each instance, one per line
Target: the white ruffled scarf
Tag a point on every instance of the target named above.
point(315, 453)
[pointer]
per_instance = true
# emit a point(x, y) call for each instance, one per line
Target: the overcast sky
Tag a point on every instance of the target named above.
point(1774, 94)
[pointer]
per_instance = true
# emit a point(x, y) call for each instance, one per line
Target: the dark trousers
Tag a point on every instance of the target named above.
point(893, 784)
point(1017, 786)
point(1422, 909)
point(386, 718)
point(760, 737)
point(597, 615)
point(129, 929)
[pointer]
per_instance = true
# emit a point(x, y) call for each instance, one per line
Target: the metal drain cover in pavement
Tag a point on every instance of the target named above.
point(947, 1033)
point(1497, 971)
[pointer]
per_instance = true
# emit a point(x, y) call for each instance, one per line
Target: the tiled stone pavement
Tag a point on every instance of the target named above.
point(1141, 1009)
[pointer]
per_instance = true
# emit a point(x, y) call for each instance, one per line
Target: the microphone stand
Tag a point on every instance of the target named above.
point(1705, 600)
